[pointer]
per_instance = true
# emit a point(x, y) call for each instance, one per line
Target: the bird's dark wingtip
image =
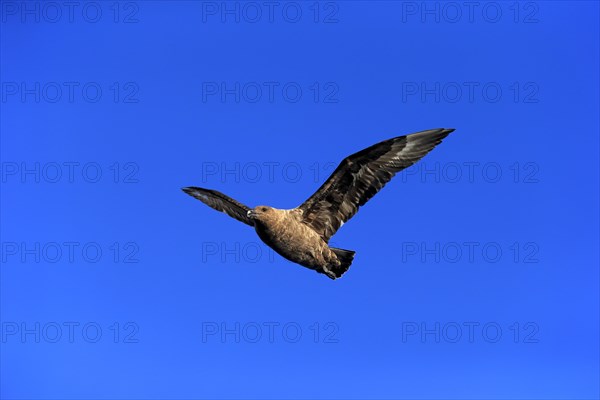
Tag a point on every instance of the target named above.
point(446, 131)
point(437, 135)
point(441, 131)
point(189, 190)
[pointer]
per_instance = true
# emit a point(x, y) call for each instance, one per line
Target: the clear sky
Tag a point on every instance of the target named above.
point(476, 271)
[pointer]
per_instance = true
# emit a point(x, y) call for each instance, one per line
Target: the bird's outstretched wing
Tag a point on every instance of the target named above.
point(220, 202)
point(360, 176)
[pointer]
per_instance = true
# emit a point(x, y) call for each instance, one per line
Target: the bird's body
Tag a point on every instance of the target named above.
point(302, 234)
point(286, 233)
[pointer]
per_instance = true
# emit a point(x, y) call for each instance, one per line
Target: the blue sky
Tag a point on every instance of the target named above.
point(476, 270)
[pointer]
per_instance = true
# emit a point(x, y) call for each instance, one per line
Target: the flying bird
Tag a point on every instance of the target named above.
point(301, 234)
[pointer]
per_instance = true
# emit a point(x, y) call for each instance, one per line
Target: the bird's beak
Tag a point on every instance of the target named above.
point(251, 214)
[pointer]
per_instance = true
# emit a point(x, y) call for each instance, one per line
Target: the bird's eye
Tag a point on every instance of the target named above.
point(264, 209)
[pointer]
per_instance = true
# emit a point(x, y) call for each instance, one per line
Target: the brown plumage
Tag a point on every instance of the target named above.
point(301, 234)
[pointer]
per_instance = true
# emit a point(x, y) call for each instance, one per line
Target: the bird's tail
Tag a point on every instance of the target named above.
point(345, 258)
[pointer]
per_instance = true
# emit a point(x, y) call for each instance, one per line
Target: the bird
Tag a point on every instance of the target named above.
point(302, 234)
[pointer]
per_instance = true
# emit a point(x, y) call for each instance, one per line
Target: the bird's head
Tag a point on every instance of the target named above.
point(260, 212)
